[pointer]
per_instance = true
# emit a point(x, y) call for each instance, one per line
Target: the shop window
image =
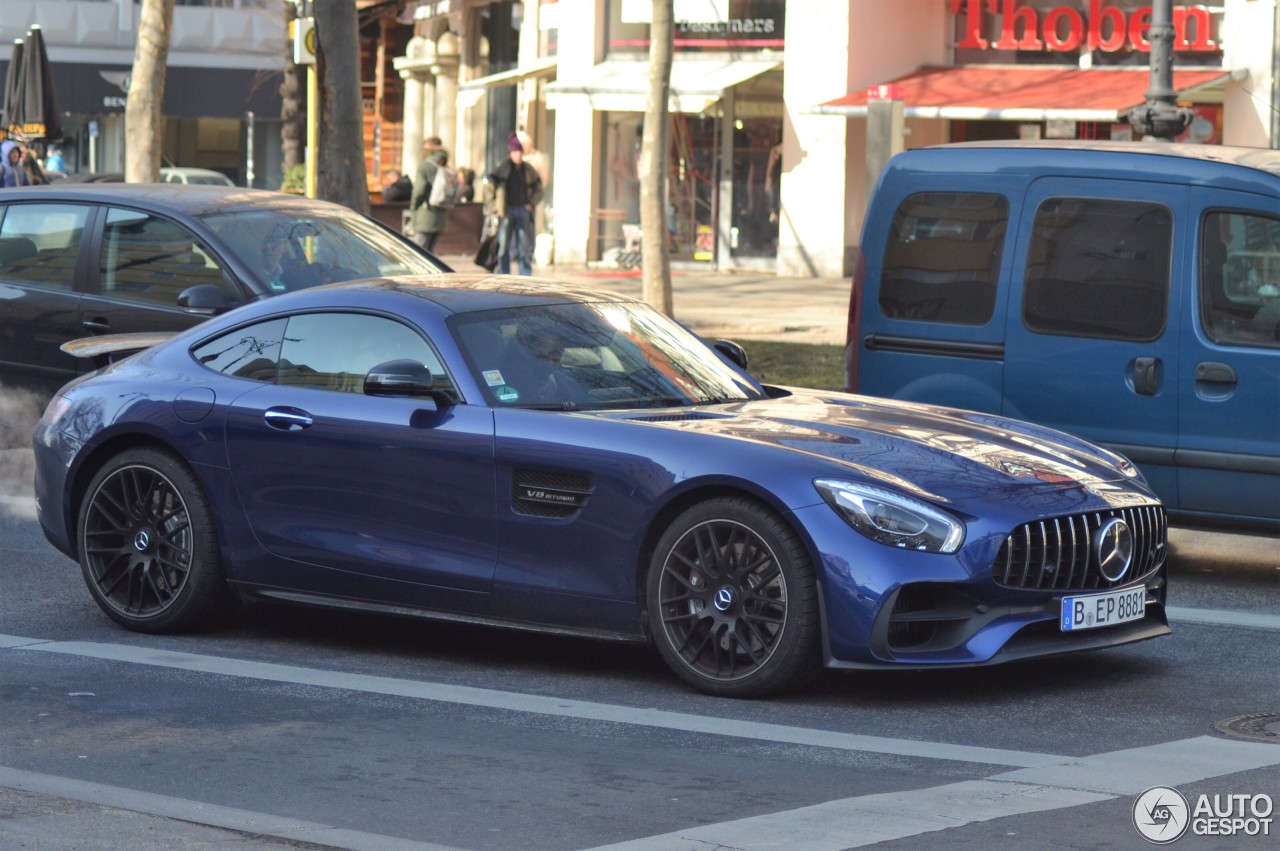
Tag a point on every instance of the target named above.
point(1099, 268)
point(942, 263)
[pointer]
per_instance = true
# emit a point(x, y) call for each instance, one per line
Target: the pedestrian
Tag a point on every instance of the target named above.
point(517, 190)
point(11, 171)
point(31, 167)
point(428, 222)
point(54, 161)
point(396, 187)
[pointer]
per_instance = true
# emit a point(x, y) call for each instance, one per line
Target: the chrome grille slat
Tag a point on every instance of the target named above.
point(1057, 553)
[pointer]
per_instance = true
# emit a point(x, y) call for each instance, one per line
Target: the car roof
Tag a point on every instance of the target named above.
point(459, 292)
point(1189, 160)
point(173, 198)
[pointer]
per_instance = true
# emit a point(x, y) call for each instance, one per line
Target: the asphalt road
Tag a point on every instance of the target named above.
point(292, 728)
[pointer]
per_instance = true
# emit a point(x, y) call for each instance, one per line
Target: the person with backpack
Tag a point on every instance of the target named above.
point(518, 189)
point(430, 202)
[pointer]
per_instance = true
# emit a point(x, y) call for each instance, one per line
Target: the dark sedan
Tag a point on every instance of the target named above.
point(113, 258)
point(521, 453)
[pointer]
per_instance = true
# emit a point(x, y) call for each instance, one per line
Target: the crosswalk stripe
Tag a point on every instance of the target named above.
point(868, 819)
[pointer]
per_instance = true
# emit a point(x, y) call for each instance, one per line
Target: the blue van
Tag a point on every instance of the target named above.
point(1128, 293)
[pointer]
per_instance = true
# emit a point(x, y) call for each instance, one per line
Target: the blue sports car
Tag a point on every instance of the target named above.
point(522, 453)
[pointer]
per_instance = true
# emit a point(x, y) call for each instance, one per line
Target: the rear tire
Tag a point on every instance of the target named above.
point(148, 549)
point(733, 602)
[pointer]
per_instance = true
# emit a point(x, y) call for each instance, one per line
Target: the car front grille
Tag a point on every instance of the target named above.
point(1061, 553)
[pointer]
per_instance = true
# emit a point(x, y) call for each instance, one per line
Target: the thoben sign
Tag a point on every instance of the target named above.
point(1101, 26)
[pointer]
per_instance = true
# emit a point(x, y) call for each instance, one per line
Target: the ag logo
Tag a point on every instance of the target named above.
point(1161, 815)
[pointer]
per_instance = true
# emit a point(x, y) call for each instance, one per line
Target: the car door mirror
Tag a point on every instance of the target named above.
point(206, 298)
point(404, 378)
point(733, 351)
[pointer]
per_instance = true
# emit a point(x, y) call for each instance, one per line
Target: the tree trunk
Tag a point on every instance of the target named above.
point(144, 110)
point(654, 156)
point(340, 169)
point(293, 118)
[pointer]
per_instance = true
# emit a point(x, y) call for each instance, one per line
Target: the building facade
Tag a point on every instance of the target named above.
point(222, 102)
point(770, 101)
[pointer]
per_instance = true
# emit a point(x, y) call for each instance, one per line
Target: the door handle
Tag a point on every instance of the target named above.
point(1146, 376)
point(1211, 372)
point(287, 419)
point(98, 326)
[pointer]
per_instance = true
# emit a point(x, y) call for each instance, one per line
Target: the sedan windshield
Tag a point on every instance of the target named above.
point(292, 252)
point(593, 356)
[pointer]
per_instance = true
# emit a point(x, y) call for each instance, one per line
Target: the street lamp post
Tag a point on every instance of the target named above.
point(1160, 119)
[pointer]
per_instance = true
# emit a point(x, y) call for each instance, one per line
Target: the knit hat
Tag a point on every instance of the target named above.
point(513, 144)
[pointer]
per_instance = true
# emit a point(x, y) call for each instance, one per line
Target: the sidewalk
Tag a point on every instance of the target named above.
point(746, 305)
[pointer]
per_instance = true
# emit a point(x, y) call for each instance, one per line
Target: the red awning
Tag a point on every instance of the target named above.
point(1021, 92)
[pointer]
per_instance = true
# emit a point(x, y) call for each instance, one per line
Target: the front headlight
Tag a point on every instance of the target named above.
point(893, 519)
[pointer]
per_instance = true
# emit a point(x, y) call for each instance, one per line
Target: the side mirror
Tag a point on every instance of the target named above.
point(205, 298)
point(404, 378)
point(734, 352)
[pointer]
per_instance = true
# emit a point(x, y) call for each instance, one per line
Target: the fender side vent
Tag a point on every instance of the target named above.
point(545, 493)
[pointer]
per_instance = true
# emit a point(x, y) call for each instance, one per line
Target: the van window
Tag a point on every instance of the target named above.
point(942, 262)
point(1099, 268)
point(1240, 279)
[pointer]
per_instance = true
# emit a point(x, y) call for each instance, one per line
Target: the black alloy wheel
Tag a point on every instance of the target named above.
point(147, 547)
point(733, 601)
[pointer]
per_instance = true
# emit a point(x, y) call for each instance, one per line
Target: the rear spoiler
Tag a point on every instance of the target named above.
point(108, 348)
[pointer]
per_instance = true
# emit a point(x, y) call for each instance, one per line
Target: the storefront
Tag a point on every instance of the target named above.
point(1047, 69)
point(974, 70)
point(726, 119)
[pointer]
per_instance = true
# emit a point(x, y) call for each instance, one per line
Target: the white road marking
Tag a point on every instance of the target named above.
point(532, 703)
point(868, 819)
point(245, 821)
point(1042, 781)
point(1223, 617)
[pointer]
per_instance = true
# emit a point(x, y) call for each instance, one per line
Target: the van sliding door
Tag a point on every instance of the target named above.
point(1090, 347)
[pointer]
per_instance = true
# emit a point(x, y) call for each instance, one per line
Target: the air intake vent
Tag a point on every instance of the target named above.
point(544, 493)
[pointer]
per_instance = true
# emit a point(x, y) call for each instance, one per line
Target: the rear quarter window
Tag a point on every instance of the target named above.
point(942, 261)
point(1099, 268)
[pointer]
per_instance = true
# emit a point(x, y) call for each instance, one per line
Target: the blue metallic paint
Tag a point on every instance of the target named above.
point(294, 509)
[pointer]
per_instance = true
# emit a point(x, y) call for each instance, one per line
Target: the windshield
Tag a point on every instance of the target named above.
point(328, 245)
point(593, 356)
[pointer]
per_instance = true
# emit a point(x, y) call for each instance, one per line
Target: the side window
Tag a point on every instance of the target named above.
point(334, 351)
point(151, 260)
point(252, 352)
point(1240, 279)
point(39, 244)
point(942, 262)
point(1099, 268)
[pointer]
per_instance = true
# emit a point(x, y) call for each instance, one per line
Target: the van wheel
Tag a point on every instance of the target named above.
point(733, 602)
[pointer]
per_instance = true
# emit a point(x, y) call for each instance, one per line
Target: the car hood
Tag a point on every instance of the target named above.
point(937, 453)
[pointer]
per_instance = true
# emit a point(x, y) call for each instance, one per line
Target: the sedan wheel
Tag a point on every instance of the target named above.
point(733, 602)
point(147, 546)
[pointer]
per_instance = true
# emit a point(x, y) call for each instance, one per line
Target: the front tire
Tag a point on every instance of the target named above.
point(733, 602)
point(148, 549)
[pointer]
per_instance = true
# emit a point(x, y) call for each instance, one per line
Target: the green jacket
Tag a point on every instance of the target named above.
point(425, 218)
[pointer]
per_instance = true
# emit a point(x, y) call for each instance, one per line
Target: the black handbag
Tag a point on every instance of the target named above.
point(487, 253)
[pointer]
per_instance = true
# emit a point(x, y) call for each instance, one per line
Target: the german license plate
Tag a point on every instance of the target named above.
point(1097, 610)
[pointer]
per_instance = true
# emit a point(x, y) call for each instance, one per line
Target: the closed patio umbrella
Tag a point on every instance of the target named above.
point(11, 78)
point(35, 113)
